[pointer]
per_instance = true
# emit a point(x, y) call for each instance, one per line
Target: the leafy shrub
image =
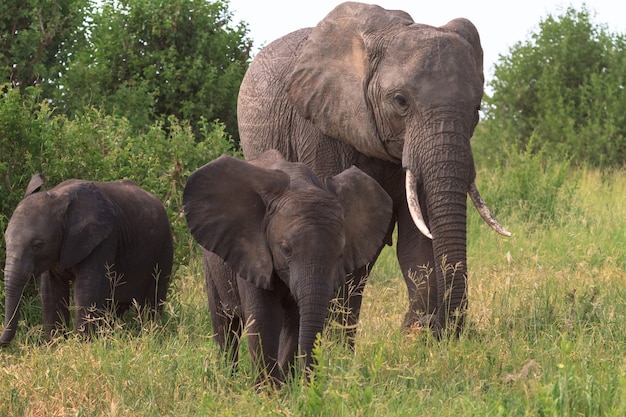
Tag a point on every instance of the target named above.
point(147, 60)
point(562, 92)
point(23, 125)
point(98, 147)
point(530, 187)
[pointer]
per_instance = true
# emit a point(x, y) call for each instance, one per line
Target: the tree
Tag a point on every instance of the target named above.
point(36, 38)
point(564, 91)
point(149, 59)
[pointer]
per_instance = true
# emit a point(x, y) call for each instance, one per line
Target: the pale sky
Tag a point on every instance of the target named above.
point(500, 23)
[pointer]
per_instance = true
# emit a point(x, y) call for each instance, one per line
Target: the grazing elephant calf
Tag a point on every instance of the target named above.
point(278, 244)
point(111, 240)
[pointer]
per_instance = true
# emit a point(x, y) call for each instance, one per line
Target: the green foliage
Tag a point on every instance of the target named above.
point(147, 60)
point(530, 187)
point(23, 123)
point(562, 91)
point(144, 60)
point(36, 39)
point(98, 147)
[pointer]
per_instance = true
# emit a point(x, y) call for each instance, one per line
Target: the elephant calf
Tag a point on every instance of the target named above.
point(111, 241)
point(278, 243)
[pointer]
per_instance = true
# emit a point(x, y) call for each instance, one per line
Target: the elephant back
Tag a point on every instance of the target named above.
point(262, 97)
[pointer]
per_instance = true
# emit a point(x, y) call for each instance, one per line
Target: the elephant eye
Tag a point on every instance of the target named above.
point(37, 245)
point(400, 102)
point(285, 249)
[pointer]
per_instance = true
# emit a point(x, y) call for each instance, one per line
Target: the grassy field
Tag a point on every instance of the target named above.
point(546, 336)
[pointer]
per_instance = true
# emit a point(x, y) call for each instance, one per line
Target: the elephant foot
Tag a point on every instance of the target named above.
point(413, 319)
point(420, 323)
point(431, 322)
point(268, 383)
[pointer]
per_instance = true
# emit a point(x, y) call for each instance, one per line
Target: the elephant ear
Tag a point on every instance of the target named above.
point(468, 31)
point(367, 211)
point(329, 81)
point(225, 206)
point(35, 184)
point(89, 220)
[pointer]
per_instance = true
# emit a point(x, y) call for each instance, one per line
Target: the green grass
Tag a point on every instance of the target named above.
point(546, 337)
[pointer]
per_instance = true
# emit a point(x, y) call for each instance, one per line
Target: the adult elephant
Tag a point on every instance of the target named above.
point(400, 100)
point(110, 241)
point(278, 243)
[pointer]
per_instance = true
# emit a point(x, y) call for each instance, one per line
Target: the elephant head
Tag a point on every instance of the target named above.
point(57, 228)
point(277, 225)
point(409, 94)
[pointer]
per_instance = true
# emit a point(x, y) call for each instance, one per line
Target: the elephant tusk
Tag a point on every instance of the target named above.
point(484, 212)
point(414, 205)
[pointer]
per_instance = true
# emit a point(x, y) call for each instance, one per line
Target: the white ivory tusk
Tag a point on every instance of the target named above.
point(484, 212)
point(414, 205)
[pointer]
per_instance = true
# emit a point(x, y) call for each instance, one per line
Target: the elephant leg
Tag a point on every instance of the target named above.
point(55, 297)
point(122, 308)
point(288, 342)
point(227, 327)
point(346, 308)
point(156, 294)
point(97, 287)
point(263, 315)
point(162, 283)
point(226, 322)
point(417, 261)
point(224, 304)
point(91, 295)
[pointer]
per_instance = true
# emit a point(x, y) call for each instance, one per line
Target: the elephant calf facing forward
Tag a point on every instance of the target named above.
point(278, 244)
point(111, 241)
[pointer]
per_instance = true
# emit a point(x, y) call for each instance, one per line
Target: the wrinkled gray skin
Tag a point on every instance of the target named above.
point(108, 240)
point(278, 244)
point(371, 88)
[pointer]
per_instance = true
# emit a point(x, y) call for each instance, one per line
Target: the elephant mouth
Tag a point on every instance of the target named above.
point(477, 200)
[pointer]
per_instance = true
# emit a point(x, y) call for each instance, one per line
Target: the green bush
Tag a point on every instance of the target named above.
point(98, 147)
point(529, 187)
point(562, 92)
point(23, 124)
point(147, 60)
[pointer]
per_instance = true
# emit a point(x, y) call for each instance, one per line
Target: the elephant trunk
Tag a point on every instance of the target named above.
point(443, 173)
point(14, 287)
point(449, 247)
point(313, 297)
